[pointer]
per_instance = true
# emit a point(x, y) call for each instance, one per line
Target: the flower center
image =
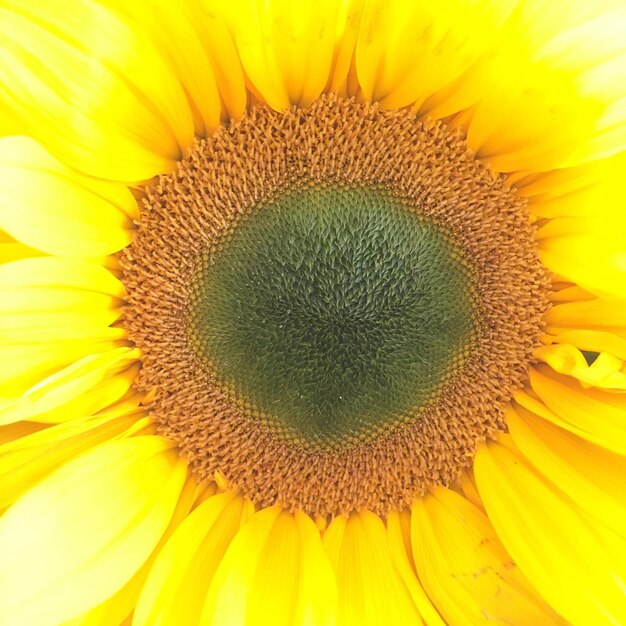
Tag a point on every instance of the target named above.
point(334, 305)
point(333, 311)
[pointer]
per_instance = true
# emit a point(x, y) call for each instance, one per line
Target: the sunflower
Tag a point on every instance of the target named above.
point(312, 313)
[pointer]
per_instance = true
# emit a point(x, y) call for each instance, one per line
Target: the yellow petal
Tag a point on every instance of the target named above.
point(58, 272)
point(406, 51)
point(349, 21)
point(27, 311)
point(17, 430)
point(175, 28)
point(12, 250)
point(286, 47)
point(568, 292)
point(52, 208)
point(82, 388)
point(23, 365)
point(53, 311)
point(274, 572)
point(525, 131)
point(179, 580)
point(26, 461)
point(509, 64)
point(576, 191)
point(571, 562)
point(590, 475)
point(399, 533)
point(596, 52)
point(53, 298)
point(590, 324)
point(221, 49)
point(371, 590)
point(593, 314)
point(606, 371)
point(470, 491)
point(553, 89)
point(588, 251)
point(78, 536)
point(464, 568)
point(593, 341)
point(597, 415)
point(129, 116)
point(122, 604)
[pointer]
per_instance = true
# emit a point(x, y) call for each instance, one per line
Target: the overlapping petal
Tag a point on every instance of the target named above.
point(129, 116)
point(77, 537)
point(25, 461)
point(56, 313)
point(551, 539)
point(286, 48)
point(370, 587)
point(592, 476)
point(464, 567)
point(52, 208)
point(176, 589)
point(274, 571)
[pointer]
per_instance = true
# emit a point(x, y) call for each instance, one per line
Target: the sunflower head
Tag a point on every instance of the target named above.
point(312, 313)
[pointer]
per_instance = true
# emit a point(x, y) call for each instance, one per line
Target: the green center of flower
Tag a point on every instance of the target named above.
point(333, 311)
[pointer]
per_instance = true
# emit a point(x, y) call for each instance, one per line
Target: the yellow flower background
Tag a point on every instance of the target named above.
point(102, 523)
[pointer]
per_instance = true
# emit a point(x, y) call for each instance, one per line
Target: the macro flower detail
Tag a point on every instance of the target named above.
point(312, 313)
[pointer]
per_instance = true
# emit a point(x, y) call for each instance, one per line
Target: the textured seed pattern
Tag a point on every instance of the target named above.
point(333, 311)
point(187, 215)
